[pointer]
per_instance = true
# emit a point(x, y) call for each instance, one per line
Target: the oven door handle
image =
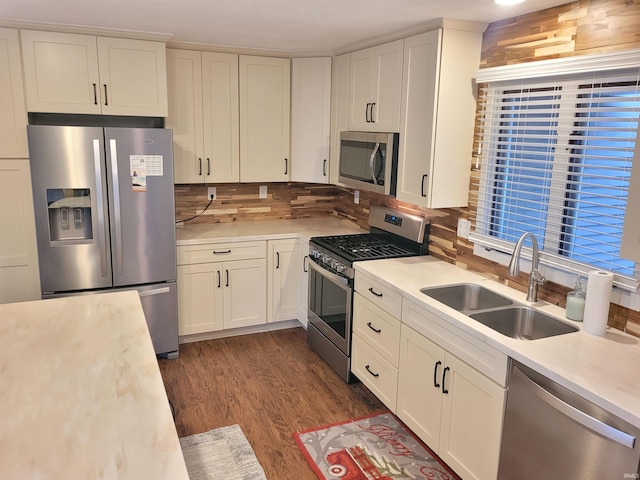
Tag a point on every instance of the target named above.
point(330, 275)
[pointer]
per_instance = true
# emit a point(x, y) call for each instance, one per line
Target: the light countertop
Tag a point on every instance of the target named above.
point(82, 395)
point(194, 234)
point(604, 369)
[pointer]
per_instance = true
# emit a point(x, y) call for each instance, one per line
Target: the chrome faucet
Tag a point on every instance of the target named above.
point(535, 278)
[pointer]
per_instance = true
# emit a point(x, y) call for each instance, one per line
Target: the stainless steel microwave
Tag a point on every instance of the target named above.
point(369, 161)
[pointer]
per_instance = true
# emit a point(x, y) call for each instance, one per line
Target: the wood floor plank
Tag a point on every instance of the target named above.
point(271, 384)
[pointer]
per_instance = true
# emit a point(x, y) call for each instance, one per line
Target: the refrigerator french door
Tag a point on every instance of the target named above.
point(104, 209)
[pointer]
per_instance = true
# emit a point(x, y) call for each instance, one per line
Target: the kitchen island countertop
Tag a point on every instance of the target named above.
point(194, 234)
point(82, 395)
point(603, 369)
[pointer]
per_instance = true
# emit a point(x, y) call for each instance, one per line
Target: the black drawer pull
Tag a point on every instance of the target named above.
point(106, 98)
point(227, 272)
point(444, 375)
point(435, 374)
point(218, 272)
point(95, 95)
point(377, 330)
point(375, 293)
point(373, 374)
point(220, 252)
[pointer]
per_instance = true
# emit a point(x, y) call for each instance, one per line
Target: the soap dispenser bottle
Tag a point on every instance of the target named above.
point(575, 303)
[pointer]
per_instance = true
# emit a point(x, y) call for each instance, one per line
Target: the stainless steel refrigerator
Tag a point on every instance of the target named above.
point(105, 217)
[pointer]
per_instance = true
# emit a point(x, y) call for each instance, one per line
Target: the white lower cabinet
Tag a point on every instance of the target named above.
point(216, 294)
point(284, 281)
point(303, 288)
point(456, 410)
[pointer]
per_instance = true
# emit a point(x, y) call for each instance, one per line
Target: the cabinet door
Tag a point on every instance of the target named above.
point(184, 82)
point(387, 87)
point(221, 127)
point(19, 277)
point(284, 281)
point(310, 119)
point(303, 288)
point(245, 293)
point(13, 121)
point(417, 124)
point(420, 385)
point(264, 119)
point(375, 372)
point(133, 77)
point(200, 298)
point(472, 414)
point(361, 89)
point(340, 78)
point(60, 72)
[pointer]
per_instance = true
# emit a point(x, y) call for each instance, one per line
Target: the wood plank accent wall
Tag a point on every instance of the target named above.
point(578, 28)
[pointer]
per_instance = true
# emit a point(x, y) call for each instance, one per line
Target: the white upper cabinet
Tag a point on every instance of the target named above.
point(203, 113)
point(13, 120)
point(376, 86)
point(310, 119)
point(265, 85)
point(437, 117)
point(340, 86)
point(71, 73)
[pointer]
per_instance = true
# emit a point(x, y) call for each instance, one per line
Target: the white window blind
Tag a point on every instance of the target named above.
point(556, 162)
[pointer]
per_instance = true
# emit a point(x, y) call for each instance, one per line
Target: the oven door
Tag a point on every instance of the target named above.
point(330, 298)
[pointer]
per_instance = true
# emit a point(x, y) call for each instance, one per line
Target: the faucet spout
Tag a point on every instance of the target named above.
point(535, 278)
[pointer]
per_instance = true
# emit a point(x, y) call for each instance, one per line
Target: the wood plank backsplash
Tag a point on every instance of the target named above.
point(578, 28)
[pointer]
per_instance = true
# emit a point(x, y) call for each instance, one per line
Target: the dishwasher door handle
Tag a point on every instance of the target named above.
point(576, 415)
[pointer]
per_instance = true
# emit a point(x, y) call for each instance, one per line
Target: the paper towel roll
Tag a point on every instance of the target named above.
point(596, 308)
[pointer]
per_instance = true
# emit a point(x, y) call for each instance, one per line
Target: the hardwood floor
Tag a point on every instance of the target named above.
point(271, 384)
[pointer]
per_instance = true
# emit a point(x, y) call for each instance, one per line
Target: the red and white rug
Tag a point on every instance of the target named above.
point(373, 447)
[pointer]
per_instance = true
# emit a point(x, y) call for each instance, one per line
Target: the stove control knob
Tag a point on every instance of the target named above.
point(326, 259)
point(340, 267)
point(313, 253)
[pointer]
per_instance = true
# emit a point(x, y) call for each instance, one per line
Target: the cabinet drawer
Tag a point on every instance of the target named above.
point(377, 327)
point(375, 372)
point(221, 252)
point(382, 296)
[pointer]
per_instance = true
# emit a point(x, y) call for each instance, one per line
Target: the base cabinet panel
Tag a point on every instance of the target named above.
point(245, 293)
point(284, 280)
point(199, 298)
point(453, 408)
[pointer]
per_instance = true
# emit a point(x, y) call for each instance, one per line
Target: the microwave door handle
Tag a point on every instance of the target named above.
point(371, 163)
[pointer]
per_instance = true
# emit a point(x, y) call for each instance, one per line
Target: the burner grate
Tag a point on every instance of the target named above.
point(363, 247)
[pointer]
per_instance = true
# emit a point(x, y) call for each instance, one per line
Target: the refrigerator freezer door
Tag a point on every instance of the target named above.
point(142, 221)
point(70, 203)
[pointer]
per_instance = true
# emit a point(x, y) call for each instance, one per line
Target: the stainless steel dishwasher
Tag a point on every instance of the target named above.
point(552, 433)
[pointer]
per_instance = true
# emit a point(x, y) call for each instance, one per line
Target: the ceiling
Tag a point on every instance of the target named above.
point(289, 26)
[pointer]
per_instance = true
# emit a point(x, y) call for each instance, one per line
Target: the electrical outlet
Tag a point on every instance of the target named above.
point(263, 191)
point(212, 193)
point(356, 196)
point(464, 228)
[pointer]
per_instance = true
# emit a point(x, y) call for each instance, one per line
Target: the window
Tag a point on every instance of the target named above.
point(556, 162)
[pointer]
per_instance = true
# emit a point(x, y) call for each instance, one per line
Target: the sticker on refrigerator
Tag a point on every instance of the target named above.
point(138, 172)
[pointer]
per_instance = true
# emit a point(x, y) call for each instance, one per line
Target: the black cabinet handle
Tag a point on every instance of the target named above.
point(305, 262)
point(218, 272)
point(373, 374)
point(374, 292)
point(286, 166)
point(199, 166)
point(277, 259)
point(227, 272)
point(106, 98)
point(208, 166)
point(444, 375)
point(377, 330)
point(424, 177)
point(435, 374)
point(373, 105)
point(95, 94)
point(324, 167)
point(220, 252)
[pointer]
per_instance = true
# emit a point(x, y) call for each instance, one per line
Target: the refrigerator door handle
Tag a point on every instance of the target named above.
point(155, 291)
point(102, 233)
point(116, 204)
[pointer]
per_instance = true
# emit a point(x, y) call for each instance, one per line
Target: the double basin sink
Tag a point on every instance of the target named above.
point(498, 312)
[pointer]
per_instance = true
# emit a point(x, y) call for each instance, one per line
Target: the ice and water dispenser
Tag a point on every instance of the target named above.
point(69, 215)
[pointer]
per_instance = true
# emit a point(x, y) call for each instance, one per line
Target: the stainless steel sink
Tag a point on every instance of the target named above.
point(522, 322)
point(467, 297)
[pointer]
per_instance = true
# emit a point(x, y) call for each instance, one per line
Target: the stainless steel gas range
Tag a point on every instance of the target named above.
point(392, 234)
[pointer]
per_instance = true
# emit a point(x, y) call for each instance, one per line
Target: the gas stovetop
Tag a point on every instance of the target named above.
point(366, 246)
